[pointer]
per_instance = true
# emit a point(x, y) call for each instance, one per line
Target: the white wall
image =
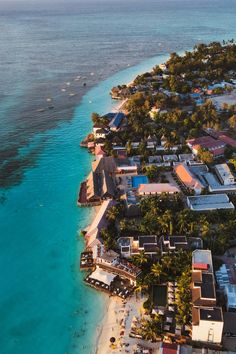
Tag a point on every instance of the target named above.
point(203, 330)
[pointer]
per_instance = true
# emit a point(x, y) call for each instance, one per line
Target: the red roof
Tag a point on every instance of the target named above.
point(227, 140)
point(218, 152)
point(223, 137)
point(215, 146)
point(200, 266)
point(169, 348)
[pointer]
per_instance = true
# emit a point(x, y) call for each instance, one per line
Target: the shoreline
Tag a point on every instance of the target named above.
point(114, 305)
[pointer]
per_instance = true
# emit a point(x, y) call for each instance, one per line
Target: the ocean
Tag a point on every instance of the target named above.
point(47, 52)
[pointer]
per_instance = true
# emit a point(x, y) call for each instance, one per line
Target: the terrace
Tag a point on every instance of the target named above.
point(86, 260)
point(122, 268)
point(109, 283)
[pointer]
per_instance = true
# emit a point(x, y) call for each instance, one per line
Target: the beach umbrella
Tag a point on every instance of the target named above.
point(112, 339)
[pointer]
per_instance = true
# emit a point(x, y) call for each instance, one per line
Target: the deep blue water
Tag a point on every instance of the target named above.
point(44, 306)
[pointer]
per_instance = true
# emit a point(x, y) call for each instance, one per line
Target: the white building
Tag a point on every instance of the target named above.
point(108, 258)
point(100, 133)
point(225, 277)
point(207, 318)
point(207, 324)
point(150, 189)
point(224, 174)
point(209, 202)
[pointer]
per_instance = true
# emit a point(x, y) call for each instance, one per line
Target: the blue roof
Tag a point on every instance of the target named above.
point(195, 95)
point(110, 115)
point(116, 120)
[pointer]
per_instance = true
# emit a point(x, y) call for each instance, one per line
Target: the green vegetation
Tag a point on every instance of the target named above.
point(163, 107)
point(169, 91)
point(184, 298)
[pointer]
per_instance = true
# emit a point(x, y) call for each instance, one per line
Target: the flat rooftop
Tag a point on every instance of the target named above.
point(203, 256)
point(208, 286)
point(145, 240)
point(209, 202)
point(211, 314)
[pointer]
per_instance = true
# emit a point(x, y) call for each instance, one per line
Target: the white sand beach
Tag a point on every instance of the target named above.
point(117, 323)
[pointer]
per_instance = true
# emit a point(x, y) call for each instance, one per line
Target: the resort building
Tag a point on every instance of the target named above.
point(99, 276)
point(216, 147)
point(100, 186)
point(226, 280)
point(108, 258)
point(170, 158)
point(227, 140)
point(224, 174)
point(151, 189)
point(174, 244)
point(207, 325)
point(207, 319)
point(116, 121)
point(186, 157)
point(100, 133)
point(126, 166)
point(155, 159)
point(189, 180)
point(209, 202)
point(151, 142)
point(214, 185)
point(111, 263)
point(171, 244)
point(130, 246)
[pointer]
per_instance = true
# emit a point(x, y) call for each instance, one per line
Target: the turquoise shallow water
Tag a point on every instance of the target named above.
point(44, 303)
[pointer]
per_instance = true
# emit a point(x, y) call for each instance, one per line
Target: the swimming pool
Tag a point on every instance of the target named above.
point(137, 180)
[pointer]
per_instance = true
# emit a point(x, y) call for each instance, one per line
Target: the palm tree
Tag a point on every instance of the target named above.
point(157, 270)
point(112, 213)
point(167, 262)
point(163, 225)
point(183, 220)
point(204, 226)
point(140, 258)
point(139, 288)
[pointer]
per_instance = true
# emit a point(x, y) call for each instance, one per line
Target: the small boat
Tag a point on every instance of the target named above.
point(49, 99)
point(50, 107)
point(84, 84)
point(63, 90)
point(68, 83)
point(72, 94)
point(41, 110)
point(91, 74)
